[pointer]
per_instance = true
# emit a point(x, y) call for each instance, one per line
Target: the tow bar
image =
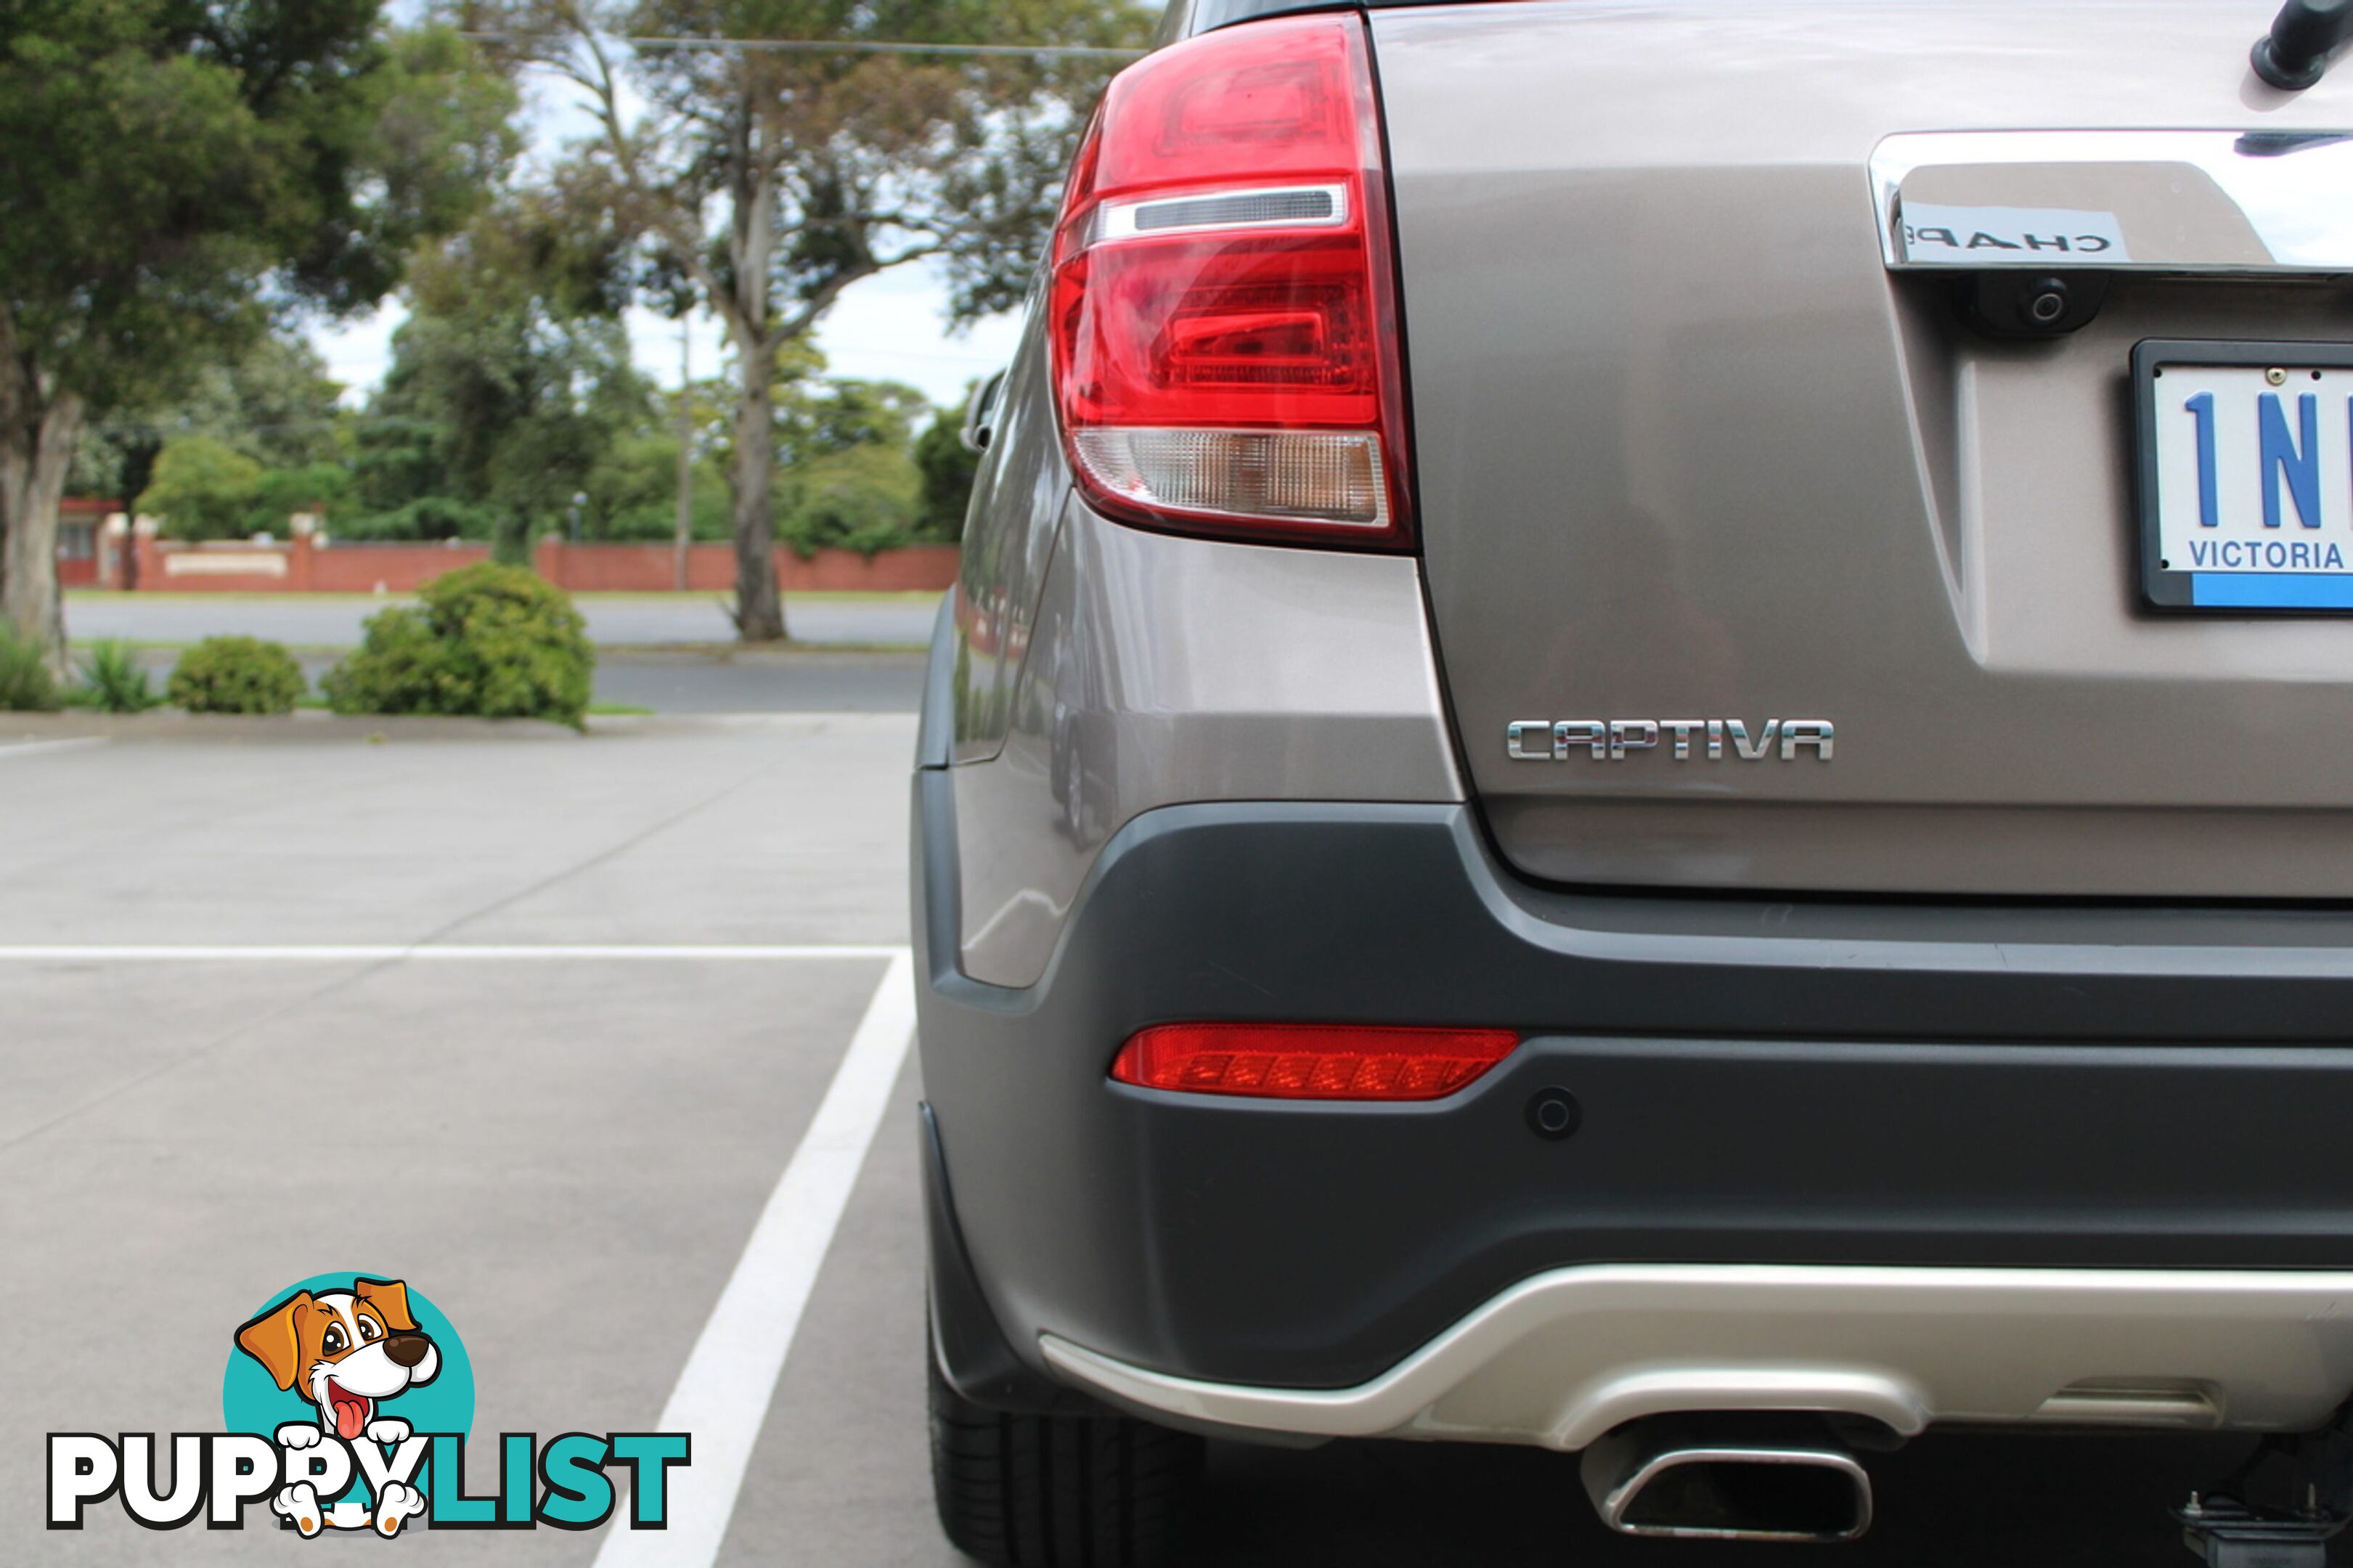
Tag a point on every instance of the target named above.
point(2283, 1507)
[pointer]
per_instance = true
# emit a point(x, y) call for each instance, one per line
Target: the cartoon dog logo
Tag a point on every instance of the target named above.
point(348, 1352)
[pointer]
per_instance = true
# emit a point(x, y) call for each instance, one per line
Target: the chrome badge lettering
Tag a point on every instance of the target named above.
point(1615, 740)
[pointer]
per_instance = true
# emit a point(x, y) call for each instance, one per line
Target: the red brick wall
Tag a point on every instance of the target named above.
point(358, 568)
point(918, 568)
point(633, 568)
point(580, 568)
point(710, 568)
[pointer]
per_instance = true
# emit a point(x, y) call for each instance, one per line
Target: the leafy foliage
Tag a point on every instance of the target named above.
point(949, 470)
point(863, 498)
point(849, 482)
point(26, 684)
point(761, 184)
point(633, 491)
point(235, 675)
point(202, 488)
point(177, 169)
point(274, 402)
point(509, 382)
point(426, 519)
point(114, 680)
point(490, 641)
point(205, 489)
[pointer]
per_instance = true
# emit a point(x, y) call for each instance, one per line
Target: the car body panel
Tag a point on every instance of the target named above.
point(1010, 529)
point(1687, 448)
point(1161, 669)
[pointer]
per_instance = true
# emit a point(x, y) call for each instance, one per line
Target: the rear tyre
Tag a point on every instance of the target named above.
point(1069, 1491)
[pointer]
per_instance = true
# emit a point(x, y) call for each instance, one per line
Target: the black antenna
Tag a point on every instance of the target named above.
point(2292, 56)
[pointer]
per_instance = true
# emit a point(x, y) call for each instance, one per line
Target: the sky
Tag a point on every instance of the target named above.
point(892, 327)
point(888, 328)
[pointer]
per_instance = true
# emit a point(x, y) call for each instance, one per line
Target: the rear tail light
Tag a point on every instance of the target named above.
point(1310, 1061)
point(1224, 311)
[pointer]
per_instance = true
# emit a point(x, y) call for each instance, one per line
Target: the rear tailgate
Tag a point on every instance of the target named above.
point(1690, 449)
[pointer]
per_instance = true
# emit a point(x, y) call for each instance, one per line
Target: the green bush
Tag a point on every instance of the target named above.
point(26, 684)
point(114, 680)
point(489, 641)
point(236, 675)
point(864, 498)
point(424, 518)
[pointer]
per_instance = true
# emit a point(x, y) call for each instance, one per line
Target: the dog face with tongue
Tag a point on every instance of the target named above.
point(352, 1410)
point(349, 1350)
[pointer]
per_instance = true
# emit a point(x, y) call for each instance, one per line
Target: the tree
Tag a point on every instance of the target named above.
point(763, 183)
point(949, 468)
point(204, 489)
point(510, 380)
point(633, 491)
point(849, 478)
point(862, 499)
point(173, 170)
point(274, 403)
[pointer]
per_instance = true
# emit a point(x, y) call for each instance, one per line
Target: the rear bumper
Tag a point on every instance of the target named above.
point(1559, 1359)
point(1829, 1087)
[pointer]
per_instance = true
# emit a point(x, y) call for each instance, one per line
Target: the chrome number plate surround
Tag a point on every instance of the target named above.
point(2244, 469)
point(2179, 202)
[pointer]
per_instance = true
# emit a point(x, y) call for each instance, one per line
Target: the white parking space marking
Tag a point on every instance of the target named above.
point(440, 953)
point(722, 1395)
point(27, 748)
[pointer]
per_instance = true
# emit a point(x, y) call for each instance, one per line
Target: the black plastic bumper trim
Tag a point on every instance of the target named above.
point(1757, 1083)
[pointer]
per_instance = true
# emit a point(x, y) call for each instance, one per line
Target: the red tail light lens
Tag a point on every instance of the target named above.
point(1310, 1061)
point(1224, 312)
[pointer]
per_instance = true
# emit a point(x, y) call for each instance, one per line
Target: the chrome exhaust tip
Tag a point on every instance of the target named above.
point(1665, 1484)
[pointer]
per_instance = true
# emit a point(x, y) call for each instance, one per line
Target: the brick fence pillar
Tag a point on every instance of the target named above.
point(146, 555)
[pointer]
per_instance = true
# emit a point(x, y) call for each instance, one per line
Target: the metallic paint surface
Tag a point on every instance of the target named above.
point(1008, 537)
point(1560, 1358)
point(1161, 670)
point(1686, 445)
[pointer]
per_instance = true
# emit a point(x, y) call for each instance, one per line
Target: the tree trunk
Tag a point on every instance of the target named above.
point(759, 607)
point(36, 443)
point(751, 251)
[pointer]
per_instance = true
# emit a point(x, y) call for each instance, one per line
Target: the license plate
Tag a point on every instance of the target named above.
point(2246, 476)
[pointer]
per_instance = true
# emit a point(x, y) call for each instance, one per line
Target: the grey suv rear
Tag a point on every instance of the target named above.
point(1645, 750)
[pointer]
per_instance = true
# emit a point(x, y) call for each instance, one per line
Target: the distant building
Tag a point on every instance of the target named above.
point(81, 534)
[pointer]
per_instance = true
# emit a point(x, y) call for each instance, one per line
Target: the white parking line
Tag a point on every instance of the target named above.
point(27, 748)
point(722, 1395)
point(438, 953)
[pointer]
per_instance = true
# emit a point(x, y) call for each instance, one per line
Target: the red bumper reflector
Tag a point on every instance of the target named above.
point(1310, 1061)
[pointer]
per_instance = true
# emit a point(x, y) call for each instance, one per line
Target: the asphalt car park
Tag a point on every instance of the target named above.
point(561, 1031)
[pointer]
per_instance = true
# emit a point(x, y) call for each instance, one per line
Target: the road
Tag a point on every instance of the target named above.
point(335, 620)
point(534, 1072)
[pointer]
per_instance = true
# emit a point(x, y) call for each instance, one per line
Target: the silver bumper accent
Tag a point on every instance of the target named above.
point(1560, 1358)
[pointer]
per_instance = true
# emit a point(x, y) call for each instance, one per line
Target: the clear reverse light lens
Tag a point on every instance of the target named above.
point(1308, 476)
